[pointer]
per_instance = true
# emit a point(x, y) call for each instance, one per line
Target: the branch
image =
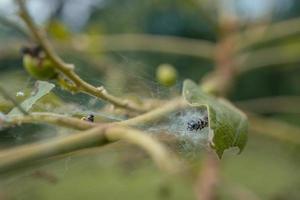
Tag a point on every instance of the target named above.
point(209, 178)
point(11, 48)
point(163, 158)
point(275, 129)
point(13, 25)
point(267, 57)
point(151, 43)
point(269, 33)
point(278, 104)
point(98, 136)
point(71, 122)
point(51, 118)
point(67, 69)
point(157, 114)
point(220, 82)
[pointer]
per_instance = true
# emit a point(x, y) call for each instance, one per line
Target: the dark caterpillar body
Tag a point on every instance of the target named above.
point(198, 124)
point(35, 51)
point(89, 118)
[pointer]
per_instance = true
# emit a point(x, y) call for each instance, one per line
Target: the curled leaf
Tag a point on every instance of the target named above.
point(228, 125)
point(42, 88)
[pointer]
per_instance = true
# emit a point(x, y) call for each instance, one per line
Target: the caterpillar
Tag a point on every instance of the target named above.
point(199, 124)
point(89, 118)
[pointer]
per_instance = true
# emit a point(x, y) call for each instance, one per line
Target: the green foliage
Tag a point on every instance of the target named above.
point(228, 124)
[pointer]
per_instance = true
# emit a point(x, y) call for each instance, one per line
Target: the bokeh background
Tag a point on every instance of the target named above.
point(120, 44)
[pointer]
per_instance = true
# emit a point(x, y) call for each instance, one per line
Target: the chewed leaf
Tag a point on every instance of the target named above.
point(228, 124)
point(42, 88)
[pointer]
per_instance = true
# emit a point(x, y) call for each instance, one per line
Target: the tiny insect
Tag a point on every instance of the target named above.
point(198, 124)
point(89, 118)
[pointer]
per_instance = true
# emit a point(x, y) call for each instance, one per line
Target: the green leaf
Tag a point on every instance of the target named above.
point(42, 88)
point(228, 125)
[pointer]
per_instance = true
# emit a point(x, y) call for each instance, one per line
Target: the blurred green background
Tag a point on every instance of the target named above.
point(267, 169)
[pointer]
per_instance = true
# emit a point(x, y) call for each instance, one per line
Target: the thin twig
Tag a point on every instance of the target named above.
point(98, 136)
point(71, 122)
point(120, 42)
point(267, 57)
point(11, 49)
point(220, 82)
point(209, 178)
point(150, 43)
point(94, 136)
point(258, 124)
point(51, 118)
point(276, 104)
point(12, 24)
point(275, 129)
point(159, 153)
point(10, 98)
point(68, 69)
point(157, 114)
point(270, 33)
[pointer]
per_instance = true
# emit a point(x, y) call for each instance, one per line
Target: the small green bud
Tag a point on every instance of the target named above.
point(38, 66)
point(166, 75)
point(67, 84)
